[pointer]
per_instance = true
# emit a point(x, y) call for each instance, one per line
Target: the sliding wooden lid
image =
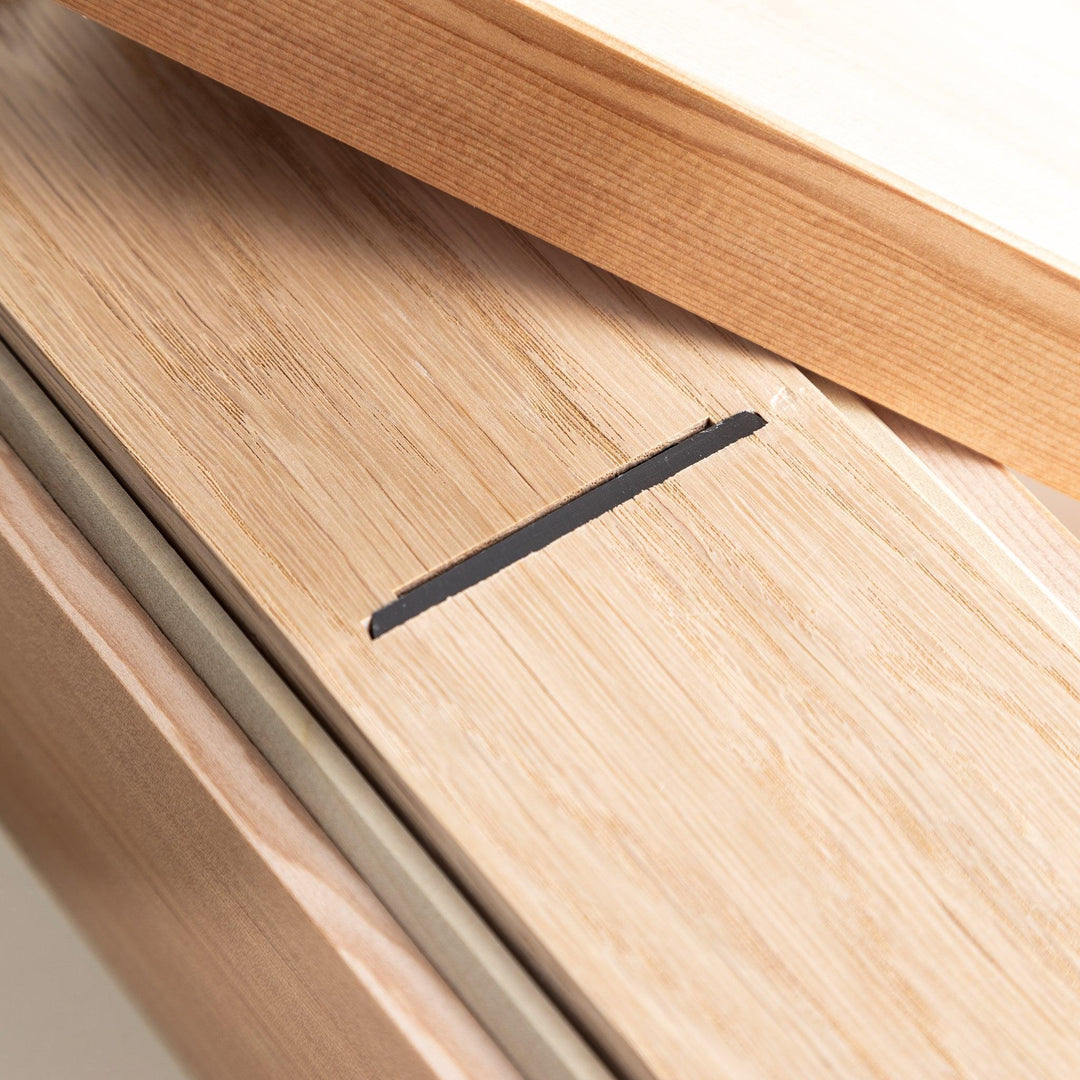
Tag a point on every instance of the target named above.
point(883, 193)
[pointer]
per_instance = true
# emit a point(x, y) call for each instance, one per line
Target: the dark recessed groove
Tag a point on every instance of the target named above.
point(563, 519)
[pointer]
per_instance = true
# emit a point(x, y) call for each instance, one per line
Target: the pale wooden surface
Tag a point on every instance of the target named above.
point(883, 193)
point(771, 772)
point(980, 107)
point(477, 965)
point(1032, 532)
point(994, 511)
point(243, 932)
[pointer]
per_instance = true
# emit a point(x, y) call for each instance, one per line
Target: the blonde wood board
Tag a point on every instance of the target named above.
point(883, 193)
point(975, 491)
point(1064, 508)
point(341, 801)
point(419, 896)
point(770, 772)
point(1023, 524)
point(993, 509)
point(242, 931)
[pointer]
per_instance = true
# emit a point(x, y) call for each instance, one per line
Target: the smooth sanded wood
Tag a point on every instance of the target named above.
point(335, 793)
point(883, 193)
point(477, 966)
point(771, 771)
point(980, 498)
point(1019, 521)
point(241, 930)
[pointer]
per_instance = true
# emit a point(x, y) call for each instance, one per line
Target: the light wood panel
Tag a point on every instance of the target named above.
point(770, 772)
point(883, 193)
point(1027, 528)
point(476, 964)
point(242, 931)
point(992, 509)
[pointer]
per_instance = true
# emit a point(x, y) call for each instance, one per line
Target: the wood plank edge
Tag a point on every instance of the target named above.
point(243, 933)
point(676, 188)
point(531, 1030)
point(981, 498)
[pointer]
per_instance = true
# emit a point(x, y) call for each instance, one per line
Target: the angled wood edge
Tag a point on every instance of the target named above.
point(578, 139)
point(980, 497)
point(461, 946)
point(1019, 521)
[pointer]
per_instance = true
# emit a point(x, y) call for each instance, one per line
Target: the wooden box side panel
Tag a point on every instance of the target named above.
point(242, 932)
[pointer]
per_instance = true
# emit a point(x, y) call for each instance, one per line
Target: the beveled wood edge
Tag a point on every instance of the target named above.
point(1014, 515)
point(978, 496)
point(531, 1030)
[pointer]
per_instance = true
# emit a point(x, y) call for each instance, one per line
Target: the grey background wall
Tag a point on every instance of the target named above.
point(62, 1017)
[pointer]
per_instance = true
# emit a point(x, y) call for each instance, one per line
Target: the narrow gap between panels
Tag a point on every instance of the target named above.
point(564, 518)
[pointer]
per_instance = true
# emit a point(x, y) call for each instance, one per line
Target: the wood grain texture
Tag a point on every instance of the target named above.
point(771, 772)
point(475, 963)
point(1022, 524)
point(884, 194)
point(241, 930)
